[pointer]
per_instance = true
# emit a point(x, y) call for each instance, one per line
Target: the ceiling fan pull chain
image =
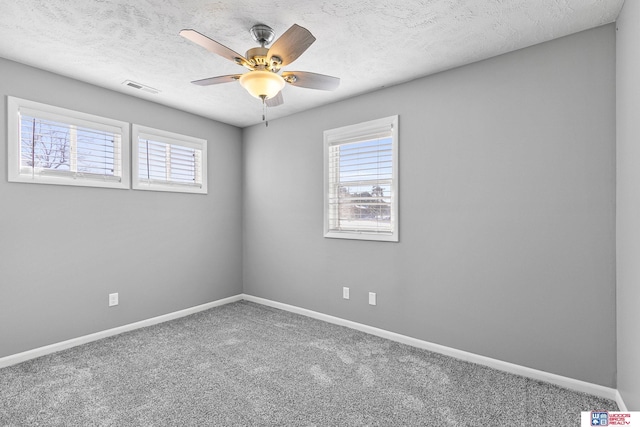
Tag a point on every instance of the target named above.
point(264, 112)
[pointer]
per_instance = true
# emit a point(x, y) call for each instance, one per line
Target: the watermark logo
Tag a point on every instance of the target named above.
point(599, 418)
point(610, 418)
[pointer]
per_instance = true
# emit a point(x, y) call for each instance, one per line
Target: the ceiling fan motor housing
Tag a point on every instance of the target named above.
point(259, 56)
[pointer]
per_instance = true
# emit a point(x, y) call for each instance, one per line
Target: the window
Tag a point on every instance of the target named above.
point(52, 145)
point(165, 161)
point(361, 181)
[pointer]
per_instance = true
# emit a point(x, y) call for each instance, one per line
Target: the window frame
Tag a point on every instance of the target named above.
point(162, 136)
point(17, 106)
point(349, 134)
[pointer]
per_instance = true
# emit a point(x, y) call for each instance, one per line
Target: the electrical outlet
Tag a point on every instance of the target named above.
point(345, 293)
point(113, 299)
point(372, 298)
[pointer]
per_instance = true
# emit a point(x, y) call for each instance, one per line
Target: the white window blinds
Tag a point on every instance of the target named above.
point(168, 162)
point(361, 181)
point(48, 146)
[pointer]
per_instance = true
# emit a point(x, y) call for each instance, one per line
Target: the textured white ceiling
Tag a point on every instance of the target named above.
point(369, 44)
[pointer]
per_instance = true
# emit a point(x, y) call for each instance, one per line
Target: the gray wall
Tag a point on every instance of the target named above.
point(507, 204)
point(628, 203)
point(506, 248)
point(64, 249)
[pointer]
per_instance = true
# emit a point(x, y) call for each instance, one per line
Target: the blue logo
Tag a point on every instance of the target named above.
point(599, 418)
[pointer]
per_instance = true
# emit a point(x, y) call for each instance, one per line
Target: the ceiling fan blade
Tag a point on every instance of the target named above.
point(217, 80)
point(275, 101)
point(311, 80)
point(291, 44)
point(215, 47)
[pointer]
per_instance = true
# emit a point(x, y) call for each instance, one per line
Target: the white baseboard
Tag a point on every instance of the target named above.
point(559, 380)
point(570, 383)
point(620, 402)
point(43, 351)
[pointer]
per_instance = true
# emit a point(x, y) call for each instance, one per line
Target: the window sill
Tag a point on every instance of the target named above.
point(355, 235)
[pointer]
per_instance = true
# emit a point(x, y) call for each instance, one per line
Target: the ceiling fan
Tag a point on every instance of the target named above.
point(264, 80)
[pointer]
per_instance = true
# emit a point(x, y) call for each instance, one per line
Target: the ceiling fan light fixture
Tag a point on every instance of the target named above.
point(262, 84)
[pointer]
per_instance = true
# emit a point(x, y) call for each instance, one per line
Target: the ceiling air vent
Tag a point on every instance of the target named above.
point(140, 86)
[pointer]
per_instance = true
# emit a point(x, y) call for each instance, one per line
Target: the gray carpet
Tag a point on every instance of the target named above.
point(245, 364)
